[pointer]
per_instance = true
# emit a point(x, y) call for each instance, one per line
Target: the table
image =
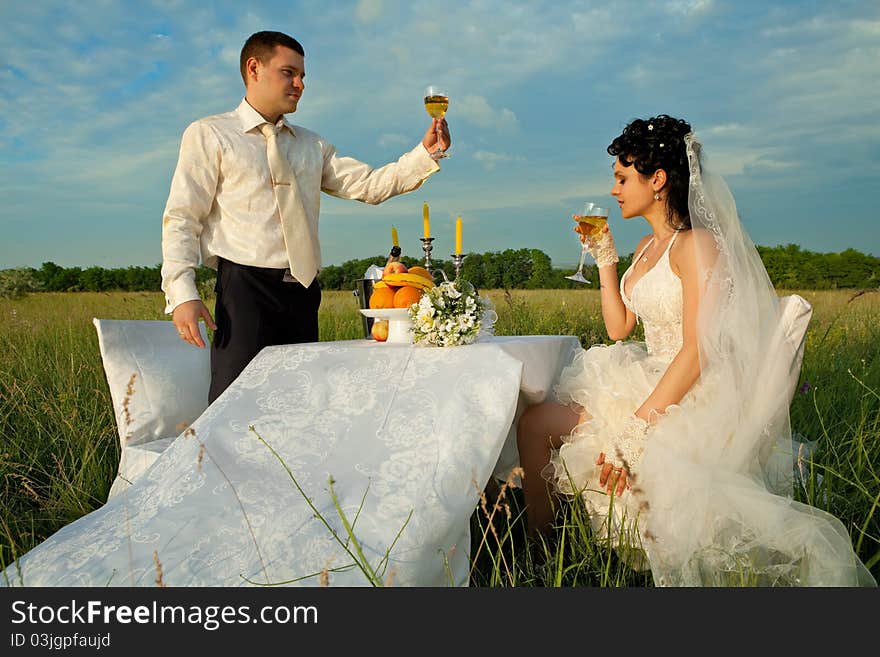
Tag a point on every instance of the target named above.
point(408, 435)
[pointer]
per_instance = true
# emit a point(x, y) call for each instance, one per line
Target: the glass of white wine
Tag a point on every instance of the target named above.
point(592, 221)
point(436, 104)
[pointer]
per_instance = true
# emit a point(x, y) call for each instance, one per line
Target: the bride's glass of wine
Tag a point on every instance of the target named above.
point(592, 221)
point(436, 104)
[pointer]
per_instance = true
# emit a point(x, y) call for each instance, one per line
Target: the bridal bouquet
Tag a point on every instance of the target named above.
point(449, 314)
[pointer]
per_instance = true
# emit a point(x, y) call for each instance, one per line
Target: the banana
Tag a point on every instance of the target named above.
point(397, 280)
point(418, 285)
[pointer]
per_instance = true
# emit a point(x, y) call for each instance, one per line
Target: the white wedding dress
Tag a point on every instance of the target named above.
point(691, 521)
point(711, 501)
point(610, 382)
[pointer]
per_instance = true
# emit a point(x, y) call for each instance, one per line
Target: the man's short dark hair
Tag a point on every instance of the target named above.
point(262, 46)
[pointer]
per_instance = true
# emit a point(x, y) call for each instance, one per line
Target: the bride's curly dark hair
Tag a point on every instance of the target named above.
point(658, 143)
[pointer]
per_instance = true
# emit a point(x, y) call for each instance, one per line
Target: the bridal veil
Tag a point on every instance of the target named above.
point(718, 478)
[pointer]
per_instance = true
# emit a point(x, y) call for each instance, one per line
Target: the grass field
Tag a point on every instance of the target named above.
point(59, 447)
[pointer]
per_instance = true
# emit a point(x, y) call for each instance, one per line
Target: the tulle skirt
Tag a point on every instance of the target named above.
point(700, 511)
point(610, 383)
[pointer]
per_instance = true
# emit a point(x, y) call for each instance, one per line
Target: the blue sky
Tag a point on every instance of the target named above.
point(95, 95)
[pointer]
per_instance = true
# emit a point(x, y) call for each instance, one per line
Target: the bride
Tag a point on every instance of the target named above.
point(681, 446)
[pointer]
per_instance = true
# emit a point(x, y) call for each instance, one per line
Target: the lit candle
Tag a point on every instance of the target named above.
point(427, 221)
point(458, 236)
point(394, 237)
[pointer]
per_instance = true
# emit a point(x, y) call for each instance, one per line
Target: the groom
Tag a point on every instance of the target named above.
point(245, 196)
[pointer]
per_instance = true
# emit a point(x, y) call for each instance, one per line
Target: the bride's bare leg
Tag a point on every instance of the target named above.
point(539, 430)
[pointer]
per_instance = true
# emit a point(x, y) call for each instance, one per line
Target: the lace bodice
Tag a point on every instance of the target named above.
point(656, 301)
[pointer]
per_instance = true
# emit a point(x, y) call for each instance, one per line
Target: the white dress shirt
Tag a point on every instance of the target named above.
point(222, 203)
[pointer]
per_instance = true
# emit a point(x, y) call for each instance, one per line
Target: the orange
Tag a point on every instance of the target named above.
point(382, 297)
point(420, 271)
point(407, 296)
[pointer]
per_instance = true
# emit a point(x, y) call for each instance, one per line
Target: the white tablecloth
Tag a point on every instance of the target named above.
point(405, 433)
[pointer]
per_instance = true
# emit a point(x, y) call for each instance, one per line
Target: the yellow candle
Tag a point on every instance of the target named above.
point(458, 236)
point(394, 237)
point(426, 220)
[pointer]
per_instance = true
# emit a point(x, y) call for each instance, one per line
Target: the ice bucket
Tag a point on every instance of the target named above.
point(363, 288)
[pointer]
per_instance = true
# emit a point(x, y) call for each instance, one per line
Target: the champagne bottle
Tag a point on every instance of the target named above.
point(394, 254)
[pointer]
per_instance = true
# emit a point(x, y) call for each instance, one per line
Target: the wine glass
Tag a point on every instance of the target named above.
point(436, 104)
point(592, 221)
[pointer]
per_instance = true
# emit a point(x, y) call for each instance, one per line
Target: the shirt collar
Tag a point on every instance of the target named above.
point(251, 118)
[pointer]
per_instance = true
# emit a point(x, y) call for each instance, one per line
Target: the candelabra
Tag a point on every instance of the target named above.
point(427, 247)
point(457, 259)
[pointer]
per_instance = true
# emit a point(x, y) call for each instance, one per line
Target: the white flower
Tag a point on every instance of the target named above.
point(447, 315)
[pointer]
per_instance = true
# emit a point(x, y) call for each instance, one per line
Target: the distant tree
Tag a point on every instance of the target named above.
point(331, 277)
point(343, 277)
point(472, 269)
point(94, 279)
point(789, 267)
point(541, 275)
point(58, 279)
point(17, 283)
point(50, 276)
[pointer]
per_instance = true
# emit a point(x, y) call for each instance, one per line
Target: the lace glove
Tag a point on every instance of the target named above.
point(630, 444)
point(602, 248)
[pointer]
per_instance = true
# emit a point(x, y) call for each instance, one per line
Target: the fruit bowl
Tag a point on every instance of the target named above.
point(399, 323)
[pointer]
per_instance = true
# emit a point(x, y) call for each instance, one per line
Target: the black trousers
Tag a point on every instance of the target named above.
point(255, 308)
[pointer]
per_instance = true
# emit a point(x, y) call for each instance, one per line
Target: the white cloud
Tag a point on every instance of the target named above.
point(821, 79)
point(824, 26)
point(477, 110)
point(638, 74)
point(389, 139)
point(727, 129)
point(738, 160)
point(489, 159)
point(368, 11)
point(548, 83)
point(690, 8)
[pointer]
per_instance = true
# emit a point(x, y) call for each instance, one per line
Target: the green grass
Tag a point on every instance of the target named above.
point(59, 446)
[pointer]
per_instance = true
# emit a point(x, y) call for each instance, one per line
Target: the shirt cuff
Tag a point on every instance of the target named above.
point(422, 161)
point(180, 292)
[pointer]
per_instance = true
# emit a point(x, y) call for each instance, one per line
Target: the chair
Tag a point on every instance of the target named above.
point(779, 376)
point(158, 385)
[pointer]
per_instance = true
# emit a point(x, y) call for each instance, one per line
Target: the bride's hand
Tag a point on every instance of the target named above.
point(611, 475)
point(582, 230)
point(583, 415)
point(601, 247)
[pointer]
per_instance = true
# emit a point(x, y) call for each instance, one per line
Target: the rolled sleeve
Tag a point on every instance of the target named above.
point(193, 188)
point(346, 177)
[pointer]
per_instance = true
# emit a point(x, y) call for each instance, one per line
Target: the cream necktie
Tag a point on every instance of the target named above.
point(298, 237)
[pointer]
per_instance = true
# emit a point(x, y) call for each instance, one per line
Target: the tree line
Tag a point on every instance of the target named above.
point(789, 267)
